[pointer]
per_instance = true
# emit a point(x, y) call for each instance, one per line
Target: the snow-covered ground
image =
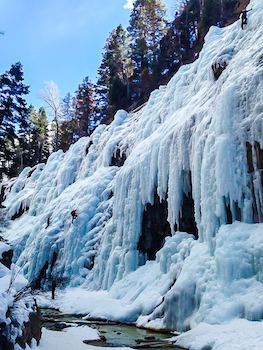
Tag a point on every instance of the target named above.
point(70, 338)
point(198, 138)
point(238, 334)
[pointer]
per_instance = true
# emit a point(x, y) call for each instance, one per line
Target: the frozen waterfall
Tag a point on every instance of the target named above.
point(192, 156)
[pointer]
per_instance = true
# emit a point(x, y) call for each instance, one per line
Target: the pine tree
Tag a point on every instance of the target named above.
point(13, 114)
point(187, 28)
point(113, 83)
point(32, 143)
point(41, 136)
point(216, 12)
point(147, 27)
point(69, 126)
point(85, 108)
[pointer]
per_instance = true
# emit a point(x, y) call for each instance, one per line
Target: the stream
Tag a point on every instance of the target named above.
point(112, 334)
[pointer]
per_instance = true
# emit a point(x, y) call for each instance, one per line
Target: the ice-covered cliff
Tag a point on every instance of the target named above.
point(190, 160)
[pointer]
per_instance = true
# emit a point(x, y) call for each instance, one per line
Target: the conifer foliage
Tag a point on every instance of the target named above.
point(85, 108)
point(147, 27)
point(38, 136)
point(13, 113)
point(113, 84)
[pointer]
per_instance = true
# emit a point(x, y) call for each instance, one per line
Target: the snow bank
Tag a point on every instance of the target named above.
point(14, 310)
point(239, 334)
point(198, 140)
point(70, 338)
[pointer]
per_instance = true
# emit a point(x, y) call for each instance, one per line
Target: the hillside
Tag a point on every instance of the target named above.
point(169, 198)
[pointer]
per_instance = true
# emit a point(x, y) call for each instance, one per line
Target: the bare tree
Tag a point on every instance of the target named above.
point(52, 97)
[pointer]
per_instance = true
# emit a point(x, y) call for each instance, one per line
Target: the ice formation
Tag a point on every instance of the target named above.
point(198, 144)
point(15, 306)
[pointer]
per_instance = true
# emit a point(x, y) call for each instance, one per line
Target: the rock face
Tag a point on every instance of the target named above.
point(31, 330)
point(7, 258)
point(118, 159)
point(17, 333)
point(155, 228)
point(20, 212)
point(4, 342)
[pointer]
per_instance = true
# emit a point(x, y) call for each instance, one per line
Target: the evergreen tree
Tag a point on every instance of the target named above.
point(40, 136)
point(69, 126)
point(147, 27)
point(85, 108)
point(169, 59)
point(32, 146)
point(113, 83)
point(216, 12)
point(187, 28)
point(13, 114)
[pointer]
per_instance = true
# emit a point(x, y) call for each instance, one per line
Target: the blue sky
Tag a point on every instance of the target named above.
point(59, 40)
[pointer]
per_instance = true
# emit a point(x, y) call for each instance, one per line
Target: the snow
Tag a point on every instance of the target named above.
point(68, 339)
point(197, 137)
point(13, 312)
point(239, 334)
point(11, 281)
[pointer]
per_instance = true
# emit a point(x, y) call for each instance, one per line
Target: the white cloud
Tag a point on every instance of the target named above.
point(129, 4)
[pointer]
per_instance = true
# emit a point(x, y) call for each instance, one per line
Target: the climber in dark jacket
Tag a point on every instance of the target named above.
point(244, 18)
point(48, 222)
point(74, 215)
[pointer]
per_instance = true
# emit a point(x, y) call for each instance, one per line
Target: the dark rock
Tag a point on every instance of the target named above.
point(7, 258)
point(118, 159)
point(5, 344)
point(102, 337)
point(187, 220)
point(2, 193)
point(249, 158)
point(40, 280)
point(60, 325)
point(87, 149)
point(218, 69)
point(155, 228)
point(255, 167)
point(32, 329)
point(149, 337)
point(20, 212)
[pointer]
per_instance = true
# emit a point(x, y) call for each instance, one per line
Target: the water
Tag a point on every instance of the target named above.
point(116, 334)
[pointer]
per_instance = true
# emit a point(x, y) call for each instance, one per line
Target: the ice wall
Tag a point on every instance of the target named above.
point(201, 137)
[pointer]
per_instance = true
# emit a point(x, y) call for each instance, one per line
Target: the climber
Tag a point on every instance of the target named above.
point(244, 18)
point(48, 222)
point(74, 215)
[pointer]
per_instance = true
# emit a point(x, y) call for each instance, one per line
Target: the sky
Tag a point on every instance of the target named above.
point(60, 41)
